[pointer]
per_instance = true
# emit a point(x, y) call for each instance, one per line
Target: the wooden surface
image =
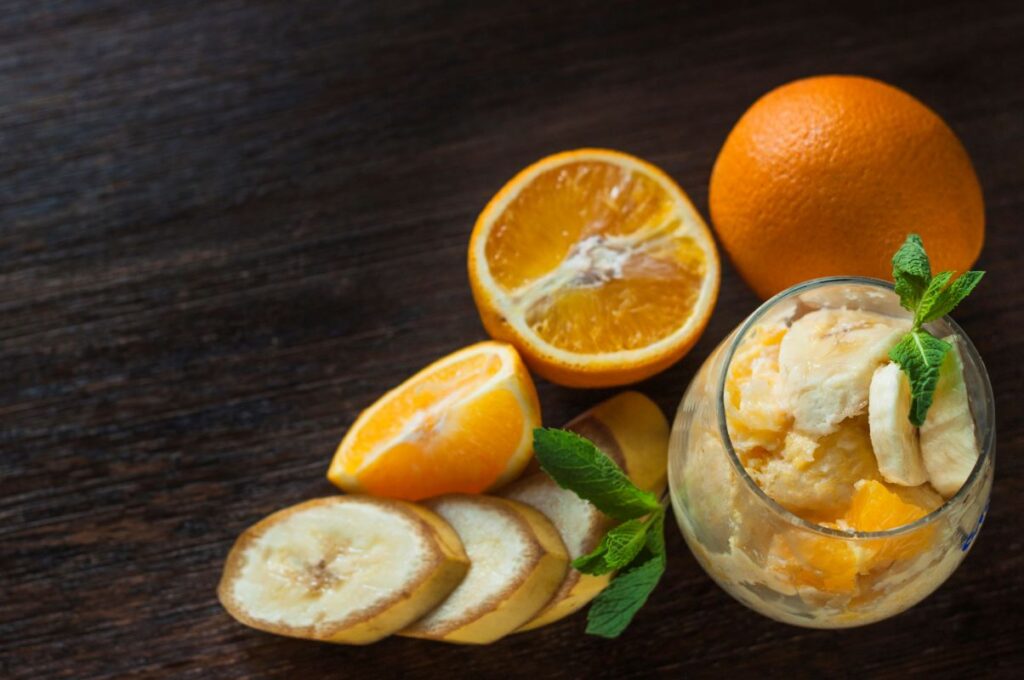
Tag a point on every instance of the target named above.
point(226, 227)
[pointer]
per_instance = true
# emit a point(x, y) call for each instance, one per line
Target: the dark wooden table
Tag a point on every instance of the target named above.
point(226, 227)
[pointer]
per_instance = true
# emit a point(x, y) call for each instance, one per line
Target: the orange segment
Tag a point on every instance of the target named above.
point(596, 266)
point(583, 198)
point(628, 313)
point(834, 564)
point(826, 564)
point(877, 507)
point(463, 424)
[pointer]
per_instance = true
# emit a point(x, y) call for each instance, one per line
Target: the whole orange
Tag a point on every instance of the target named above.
point(827, 175)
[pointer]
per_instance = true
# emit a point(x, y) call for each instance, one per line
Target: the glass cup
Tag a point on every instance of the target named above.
point(781, 565)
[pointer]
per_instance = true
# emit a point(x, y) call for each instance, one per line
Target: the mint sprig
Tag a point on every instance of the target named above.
point(576, 464)
point(635, 548)
point(919, 353)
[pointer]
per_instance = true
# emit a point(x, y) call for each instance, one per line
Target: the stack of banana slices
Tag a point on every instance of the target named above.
point(943, 452)
point(834, 362)
point(458, 568)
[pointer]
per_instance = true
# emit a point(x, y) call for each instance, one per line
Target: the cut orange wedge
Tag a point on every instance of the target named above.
point(596, 266)
point(462, 424)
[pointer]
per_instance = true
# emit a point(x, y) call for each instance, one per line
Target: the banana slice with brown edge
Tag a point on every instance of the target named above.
point(517, 562)
point(346, 569)
point(631, 430)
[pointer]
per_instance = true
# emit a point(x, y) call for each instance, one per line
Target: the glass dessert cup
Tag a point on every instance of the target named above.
point(781, 565)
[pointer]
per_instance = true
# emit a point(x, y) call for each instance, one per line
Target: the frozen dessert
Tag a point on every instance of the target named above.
point(817, 416)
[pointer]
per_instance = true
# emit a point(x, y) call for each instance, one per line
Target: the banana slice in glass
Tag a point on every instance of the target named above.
point(949, 446)
point(826, 361)
point(893, 436)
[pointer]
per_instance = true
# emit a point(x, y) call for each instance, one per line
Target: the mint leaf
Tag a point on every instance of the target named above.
point(617, 549)
point(594, 562)
point(656, 535)
point(576, 464)
point(636, 547)
point(929, 297)
point(626, 540)
point(911, 271)
point(936, 287)
point(614, 608)
point(920, 355)
point(952, 296)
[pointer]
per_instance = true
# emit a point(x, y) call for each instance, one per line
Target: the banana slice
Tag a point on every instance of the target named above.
point(949, 447)
point(347, 569)
point(581, 526)
point(893, 436)
point(517, 562)
point(826, 361)
point(631, 430)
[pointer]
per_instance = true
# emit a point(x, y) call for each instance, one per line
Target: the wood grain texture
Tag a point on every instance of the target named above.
point(226, 227)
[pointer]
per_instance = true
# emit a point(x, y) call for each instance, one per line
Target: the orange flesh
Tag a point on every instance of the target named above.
point(462, 424)
point(561, 207)
point(878, 507)
point(420, 396)
point(473, 449)
point(619, 293)
point(832, 565)
point(826, 564)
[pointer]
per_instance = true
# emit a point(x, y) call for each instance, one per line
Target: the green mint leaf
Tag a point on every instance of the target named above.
point(626, 540)
point(617, 549)
point(952, 296)
point(576, 464)
point(636, 547)
point(656, 535)
point(920, 355)
point(911, 272)
point(594, 562)
point(932, 294)
point(614, 608)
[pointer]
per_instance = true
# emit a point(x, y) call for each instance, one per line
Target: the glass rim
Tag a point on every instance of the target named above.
point(988, 439)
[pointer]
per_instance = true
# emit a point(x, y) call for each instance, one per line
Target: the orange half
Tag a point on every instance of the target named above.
point(596, 266)
point(463, 424)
